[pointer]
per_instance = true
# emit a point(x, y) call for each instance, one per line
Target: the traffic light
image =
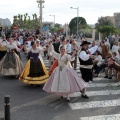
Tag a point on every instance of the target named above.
point(0, 28)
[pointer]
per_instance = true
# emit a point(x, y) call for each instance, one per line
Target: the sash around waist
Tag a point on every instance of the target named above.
point(86, 66)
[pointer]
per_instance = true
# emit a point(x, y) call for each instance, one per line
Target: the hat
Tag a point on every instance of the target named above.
point(85, 42)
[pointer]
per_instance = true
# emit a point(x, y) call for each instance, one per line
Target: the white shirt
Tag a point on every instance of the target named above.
point(68, 48)
point(12, 46)
point(17, 43)
point(99, 59)
point(100, 49)
point(118, 56)
point(21, 40)
point(107, 44)
point(115, 48)
point(84, 56)
point(4, 43)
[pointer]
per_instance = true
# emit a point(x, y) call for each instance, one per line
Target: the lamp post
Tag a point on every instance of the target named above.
point(40, 5)
point(77, 17)
point(54, 21)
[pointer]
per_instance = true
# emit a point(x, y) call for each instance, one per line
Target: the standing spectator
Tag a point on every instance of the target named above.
point(107, 43)
point(74, 48)
point(100, 48)
point(112, 43)
point(104, 50)
point(93, 44)
point(68, 47)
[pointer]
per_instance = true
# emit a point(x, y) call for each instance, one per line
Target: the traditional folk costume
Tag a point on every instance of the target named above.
point(55, 63)
point(35, 71)
point(19, 46)
point(11, 63)
point(86, 63)
point(3, 48)
point(64, 80)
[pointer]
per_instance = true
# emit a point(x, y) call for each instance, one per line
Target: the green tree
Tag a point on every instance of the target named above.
point(81, 24)
point(57, 25)
point(24, 21)
point(106, 30)
point(103, 21)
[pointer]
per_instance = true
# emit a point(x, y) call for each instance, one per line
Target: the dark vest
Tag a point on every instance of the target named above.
point(88, 62)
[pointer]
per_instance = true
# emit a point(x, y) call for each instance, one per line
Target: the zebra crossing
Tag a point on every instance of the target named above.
point(104, 102)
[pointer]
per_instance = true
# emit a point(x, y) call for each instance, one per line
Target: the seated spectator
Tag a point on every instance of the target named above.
point(116, 66)
point(118, 56)
point(115, 47)
point(104, 64)
point(97, 62)
point(109, 71)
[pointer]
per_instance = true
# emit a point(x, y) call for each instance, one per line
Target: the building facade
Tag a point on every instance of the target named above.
point(5, 22)
point(115, 19)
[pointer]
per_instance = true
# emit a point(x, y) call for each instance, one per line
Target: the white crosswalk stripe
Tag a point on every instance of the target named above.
point(103, 85)
point(94, 104)
point(103, 117)
point(97, 93)
point(111, 88)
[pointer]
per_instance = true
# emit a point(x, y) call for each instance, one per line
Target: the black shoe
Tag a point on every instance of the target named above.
point(106, 77)
point(109, 77)
point(61, 96)
point(68, 98)
point(85, 96)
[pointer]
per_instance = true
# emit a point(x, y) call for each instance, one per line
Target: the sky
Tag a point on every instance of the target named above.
point(91, 10)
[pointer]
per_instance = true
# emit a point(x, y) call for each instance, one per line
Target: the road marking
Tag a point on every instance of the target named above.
point(104, 85)
point(97, 93)
point(102, 117)
point(94, 104)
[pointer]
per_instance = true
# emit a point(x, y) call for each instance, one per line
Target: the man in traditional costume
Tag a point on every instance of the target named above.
point(86, 62)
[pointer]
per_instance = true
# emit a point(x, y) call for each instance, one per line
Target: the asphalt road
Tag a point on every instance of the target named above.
point(32, 103)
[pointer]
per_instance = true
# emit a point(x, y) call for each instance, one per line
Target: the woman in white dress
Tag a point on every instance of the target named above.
point(64, 80)
point(11, 63)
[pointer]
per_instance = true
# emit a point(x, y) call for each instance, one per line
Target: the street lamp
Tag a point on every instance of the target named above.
point(77, 17)
point(54, 21)
point(40, 5)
